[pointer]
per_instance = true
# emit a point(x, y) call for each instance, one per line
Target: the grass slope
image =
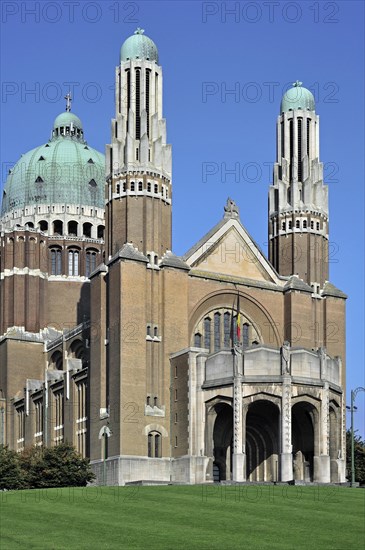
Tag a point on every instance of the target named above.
point(178, 517)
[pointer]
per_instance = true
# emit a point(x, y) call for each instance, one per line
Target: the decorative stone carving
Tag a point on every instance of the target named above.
point(237, 415)
point(285, 358)
point(325, 409)
point(238, 359)
point(322, 354)
point(231, 209)
point(286, 419)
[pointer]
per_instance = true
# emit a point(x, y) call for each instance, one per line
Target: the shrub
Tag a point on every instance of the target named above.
point(35, 467)
point(11, 474)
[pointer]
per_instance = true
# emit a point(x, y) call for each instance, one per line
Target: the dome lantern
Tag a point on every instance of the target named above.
point(296, 98)
point(138, 46)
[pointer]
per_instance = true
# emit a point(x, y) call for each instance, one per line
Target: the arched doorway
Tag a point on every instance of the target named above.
point(262, 441)
point(304, 419)
point(222, 441)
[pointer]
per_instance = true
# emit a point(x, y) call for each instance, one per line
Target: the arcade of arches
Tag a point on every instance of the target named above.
point(262, 433)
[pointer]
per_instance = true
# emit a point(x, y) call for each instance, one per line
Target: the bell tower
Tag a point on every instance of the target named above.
point(298, 198)
point(138, 160)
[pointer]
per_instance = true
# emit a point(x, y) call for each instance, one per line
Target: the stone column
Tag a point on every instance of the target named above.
point(238, 459)
point(323, 466)
point(286, 456)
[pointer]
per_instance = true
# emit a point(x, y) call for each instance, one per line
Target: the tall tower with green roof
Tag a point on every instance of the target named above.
point(298, 198)
point(138, 160)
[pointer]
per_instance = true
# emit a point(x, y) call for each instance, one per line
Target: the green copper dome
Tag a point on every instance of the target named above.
point(297, 97)
point(65, 170)
point(67, 119)
point(139, 46)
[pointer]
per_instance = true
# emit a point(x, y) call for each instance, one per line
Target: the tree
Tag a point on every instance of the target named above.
point(359, 448)
point(11, 474)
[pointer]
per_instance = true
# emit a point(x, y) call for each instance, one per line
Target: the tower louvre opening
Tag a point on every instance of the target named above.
point(138, 104)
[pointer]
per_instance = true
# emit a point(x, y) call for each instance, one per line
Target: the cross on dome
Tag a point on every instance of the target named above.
point(297, 84)
point(68, 99)
point(139, 31)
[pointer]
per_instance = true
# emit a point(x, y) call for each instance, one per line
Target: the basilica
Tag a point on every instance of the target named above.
point(218, 365)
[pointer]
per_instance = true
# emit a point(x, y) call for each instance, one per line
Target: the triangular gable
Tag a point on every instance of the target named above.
point(229, 249)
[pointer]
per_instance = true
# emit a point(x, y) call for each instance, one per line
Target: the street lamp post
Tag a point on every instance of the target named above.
point(352, 409)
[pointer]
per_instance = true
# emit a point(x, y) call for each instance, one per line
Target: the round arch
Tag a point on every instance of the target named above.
point(253, 309)
point(305, 436)
point(262, 439)
point(56, 360)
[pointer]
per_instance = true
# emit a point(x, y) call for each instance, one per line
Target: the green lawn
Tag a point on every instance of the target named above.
point(168, 517)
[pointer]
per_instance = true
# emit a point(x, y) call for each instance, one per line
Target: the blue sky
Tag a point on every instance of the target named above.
point(254, 48)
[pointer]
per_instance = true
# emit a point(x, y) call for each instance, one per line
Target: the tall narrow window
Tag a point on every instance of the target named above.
point(56, 261)
point(156, 92)
point(90, 261)
point(207, 323)
point(299, 149)
point(128, 90)
point(38, 434)
point(157, 445)
point(245, 335)
point(154, 445)
point(291, 137)
point(73, 262)
point(197, 340)
point(132, 185)
point(148, 100)
point(217, 331)
point(282, 140)
point(308, 135)
point(138, 104)
point(81, 419)
point(20, 428)
point(58, 417)
point(227, 329)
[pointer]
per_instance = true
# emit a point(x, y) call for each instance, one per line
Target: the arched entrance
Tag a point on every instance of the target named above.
point(304, 419)
point(262, 441)
point(222, 441)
